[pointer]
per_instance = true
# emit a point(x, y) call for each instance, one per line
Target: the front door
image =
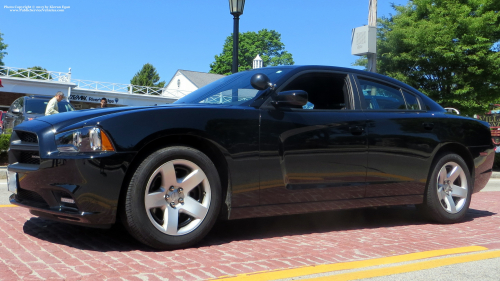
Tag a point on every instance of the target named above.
point(317, 152)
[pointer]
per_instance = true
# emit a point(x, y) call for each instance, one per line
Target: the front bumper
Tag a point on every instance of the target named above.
point(81, 190)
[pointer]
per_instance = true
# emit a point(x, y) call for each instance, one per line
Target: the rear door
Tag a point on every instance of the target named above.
point(317, 152)
point(401, 139)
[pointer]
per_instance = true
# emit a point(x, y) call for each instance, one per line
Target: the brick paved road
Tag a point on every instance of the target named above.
point(32, 248)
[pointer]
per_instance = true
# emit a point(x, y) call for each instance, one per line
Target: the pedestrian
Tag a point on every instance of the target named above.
point(52, 107)
point(104, 103)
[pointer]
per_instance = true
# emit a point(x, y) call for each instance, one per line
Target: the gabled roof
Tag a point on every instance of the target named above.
point(200, 79)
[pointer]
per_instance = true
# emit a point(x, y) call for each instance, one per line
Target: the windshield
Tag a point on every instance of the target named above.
point(231, 90)
point(38, 106)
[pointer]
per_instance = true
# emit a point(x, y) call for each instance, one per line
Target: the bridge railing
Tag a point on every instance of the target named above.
point(127, 88)
point(27, 73)
point(87, 84)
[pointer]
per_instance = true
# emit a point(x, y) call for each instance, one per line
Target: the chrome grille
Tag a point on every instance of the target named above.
point(27, 137)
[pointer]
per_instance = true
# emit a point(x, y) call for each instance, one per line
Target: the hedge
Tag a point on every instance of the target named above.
point(4, 142)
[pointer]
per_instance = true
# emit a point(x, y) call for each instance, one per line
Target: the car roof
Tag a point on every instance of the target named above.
point(299, 68)
point(38, 97)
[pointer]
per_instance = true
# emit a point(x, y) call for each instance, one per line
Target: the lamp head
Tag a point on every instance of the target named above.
point(236, 7)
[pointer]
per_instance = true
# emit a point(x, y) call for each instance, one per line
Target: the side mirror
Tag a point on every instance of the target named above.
point(291, 98)
point(260, 81)
point(452, 110)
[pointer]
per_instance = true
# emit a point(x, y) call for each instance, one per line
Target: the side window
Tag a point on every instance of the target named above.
point(325, 90)
point(16, 105)
point(379, 96)
point(64, 106)
point(21, 104)
point(411, 101)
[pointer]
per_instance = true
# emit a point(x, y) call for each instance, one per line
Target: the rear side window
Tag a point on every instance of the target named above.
point(381, 97)
point(411, 101)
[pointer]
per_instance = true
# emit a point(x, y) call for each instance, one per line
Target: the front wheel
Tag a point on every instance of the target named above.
point(173, 198)
point(449, 190)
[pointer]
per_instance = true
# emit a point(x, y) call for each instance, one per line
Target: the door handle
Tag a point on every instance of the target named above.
point(428, 126)
point(356, 130)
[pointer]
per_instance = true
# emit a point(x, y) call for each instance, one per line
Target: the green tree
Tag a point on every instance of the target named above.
point(266, 43)
point(147, 76)
point(448, 49)
point(3, 46)
point(34, 72)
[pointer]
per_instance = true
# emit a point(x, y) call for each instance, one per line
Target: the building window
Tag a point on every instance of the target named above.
point(178, 83)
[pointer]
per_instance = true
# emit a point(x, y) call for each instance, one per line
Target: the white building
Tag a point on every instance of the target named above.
point(186, 81)
point(84, 94)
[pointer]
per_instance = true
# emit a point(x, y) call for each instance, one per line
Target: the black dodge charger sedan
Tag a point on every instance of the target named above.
point(266, 142)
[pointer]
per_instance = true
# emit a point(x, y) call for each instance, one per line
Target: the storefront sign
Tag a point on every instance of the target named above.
point(91, 99)
point(492, 119)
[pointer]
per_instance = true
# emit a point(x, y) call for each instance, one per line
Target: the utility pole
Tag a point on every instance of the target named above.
point(364, 38)
point(372, 21)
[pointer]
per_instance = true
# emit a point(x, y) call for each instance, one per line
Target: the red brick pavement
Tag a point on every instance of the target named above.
point(32, 248)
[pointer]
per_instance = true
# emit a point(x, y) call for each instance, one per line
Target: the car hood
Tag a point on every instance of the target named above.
point(66, 119)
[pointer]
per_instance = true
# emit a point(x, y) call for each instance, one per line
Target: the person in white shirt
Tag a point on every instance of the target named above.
point(52, 107)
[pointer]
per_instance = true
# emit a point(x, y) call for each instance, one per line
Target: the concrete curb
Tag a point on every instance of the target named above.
point(3, 172)
point(495, 175)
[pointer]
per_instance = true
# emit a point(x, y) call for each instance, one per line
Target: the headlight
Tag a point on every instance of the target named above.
point(86, 139)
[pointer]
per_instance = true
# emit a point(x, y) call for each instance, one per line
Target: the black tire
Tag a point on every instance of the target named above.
point(439, 193)
point(153, 222)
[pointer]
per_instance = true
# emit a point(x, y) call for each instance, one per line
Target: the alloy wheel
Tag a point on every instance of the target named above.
point(177, 197)
point(452, 188)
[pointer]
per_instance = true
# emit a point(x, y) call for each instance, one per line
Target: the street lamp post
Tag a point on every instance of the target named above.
point(236, 9)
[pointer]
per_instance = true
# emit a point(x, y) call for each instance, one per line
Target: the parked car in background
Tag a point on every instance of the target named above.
point(265, 142)
point(28, 108)
point(2, 117)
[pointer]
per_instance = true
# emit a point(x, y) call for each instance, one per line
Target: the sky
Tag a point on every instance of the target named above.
point(110, 41)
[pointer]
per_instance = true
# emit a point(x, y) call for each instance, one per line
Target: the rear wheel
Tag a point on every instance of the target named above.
point(173, 198)
point(449, 190)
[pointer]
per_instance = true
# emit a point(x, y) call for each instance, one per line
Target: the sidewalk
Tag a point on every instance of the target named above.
point(495, 175)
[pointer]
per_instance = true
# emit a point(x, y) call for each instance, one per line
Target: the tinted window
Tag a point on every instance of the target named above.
point(38, 106)
point(380, 96)
point(325, 90)
point(17, 104)
point(64, 106)
point(411, 101)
